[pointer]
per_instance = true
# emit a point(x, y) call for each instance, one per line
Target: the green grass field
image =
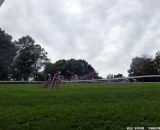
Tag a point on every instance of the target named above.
point(80, 106)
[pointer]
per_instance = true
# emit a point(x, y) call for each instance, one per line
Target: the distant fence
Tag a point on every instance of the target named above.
point(21, 82)
point(146, 78)
point(41, 82)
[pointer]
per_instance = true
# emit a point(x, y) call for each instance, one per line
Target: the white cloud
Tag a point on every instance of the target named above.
point(108, 34)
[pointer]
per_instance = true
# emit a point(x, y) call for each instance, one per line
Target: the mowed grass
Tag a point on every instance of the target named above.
point(79, 106)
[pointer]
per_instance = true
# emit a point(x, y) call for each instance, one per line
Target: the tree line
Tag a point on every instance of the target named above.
point(78, 69)
point(24, 59)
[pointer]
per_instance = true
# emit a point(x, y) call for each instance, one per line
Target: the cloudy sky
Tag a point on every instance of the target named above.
point(106, 33)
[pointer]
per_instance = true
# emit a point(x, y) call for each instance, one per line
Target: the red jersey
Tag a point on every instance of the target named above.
point(57, 77)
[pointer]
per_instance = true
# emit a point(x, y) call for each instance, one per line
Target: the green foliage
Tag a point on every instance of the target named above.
point(143, 66)
point(77, 67)
point(79, 106)
point(29, 60)
point(157, 61)
point(110, 76)
point(7, 52)
point(22, 59)
point(118, 76)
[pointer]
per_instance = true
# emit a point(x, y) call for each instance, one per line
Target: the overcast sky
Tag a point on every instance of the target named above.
point(106, 33)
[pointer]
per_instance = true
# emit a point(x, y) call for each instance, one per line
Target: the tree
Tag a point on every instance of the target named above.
point(110, 76)
point(135, 67)
point(148, 66)
point(142, 66)
point(76, 67)
point(7, 52)
point(29, 60)
point(40, 59)
point(118, 76)
point(157, 61)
